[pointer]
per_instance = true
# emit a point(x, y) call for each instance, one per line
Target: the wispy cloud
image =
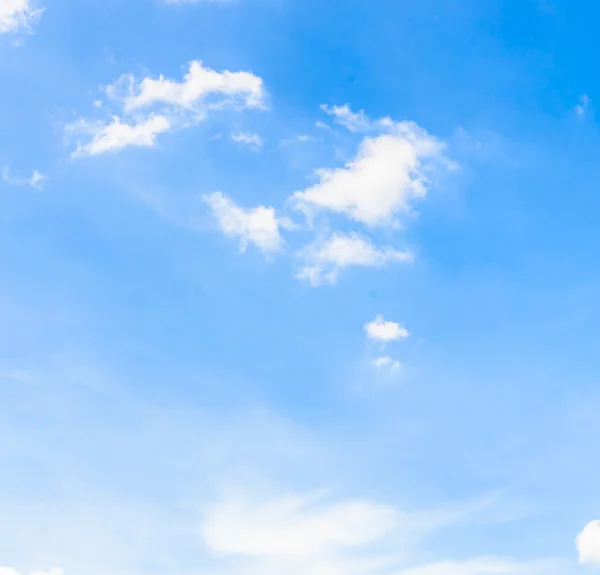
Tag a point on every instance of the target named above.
point(252, 140)
point(582, 107)
point(37, 179)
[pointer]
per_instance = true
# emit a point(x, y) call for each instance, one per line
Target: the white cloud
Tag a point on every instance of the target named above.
point(172, 104)
point(483, 566)
point(11, 571)
point(255, 225)
point(355, 122)
point(252, 140)
point(294, 526)
point(300, 534)
point(119, 134)
point(385, 331)
point(35, 181)
point(588, 543)
point(385, 178)
point(243, 88)
point(16, 15)
point(323, 261)
point(387, 363)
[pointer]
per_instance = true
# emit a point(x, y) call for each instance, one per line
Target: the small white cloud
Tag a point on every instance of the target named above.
point(355, 122)
point(584, 103)
point(35, 181)
point(385, 331)
point(387, 363)
point(251, 140)
point(18, 15)
point(243, 88)
point(118, 135)
point(259, 226)
point(388, 174)
point(323, 261)
point(588, 543)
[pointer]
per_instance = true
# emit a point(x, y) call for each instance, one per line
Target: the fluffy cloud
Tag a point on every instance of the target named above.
point(323, 261)
point(588, 543)
point(252, 140)
point(16, 15)
point(119, 134)
point(387, 363)
point(259, 226)
point(243, 88)
point(385, 178)
point(154, 106)
point(385, 331)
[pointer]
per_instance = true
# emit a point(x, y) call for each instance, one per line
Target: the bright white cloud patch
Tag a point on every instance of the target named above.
point(387, 363)
point(251, 140)
point(16, 15)
point(383, 181)
point(243, 88)
point(385, 331)
point(153, 106)
point(259, 226)
point(323, 261)
point(293, 526)
point(119, 134)
point(588, 543)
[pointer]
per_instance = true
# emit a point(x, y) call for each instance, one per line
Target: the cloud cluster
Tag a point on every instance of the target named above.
point(376, 189)
point(16, 15)
point(381, 331)
point(153, 106)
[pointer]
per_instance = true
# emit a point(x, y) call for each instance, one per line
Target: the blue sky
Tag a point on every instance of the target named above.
point(304, 287)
